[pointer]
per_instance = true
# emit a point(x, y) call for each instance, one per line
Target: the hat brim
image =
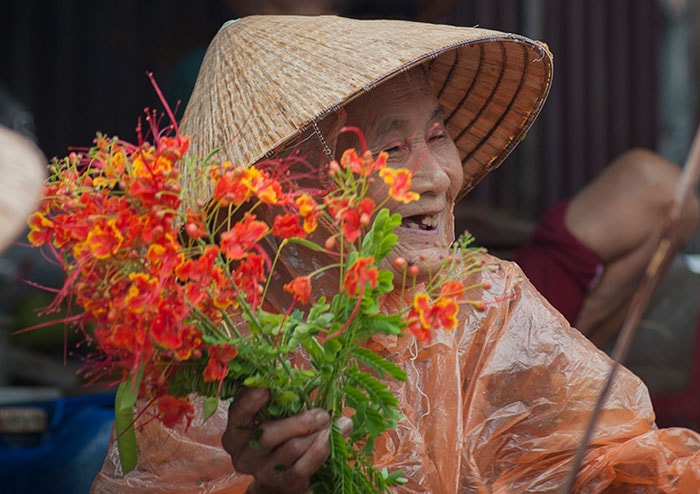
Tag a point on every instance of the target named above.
point(23, 167)
point(265, 80)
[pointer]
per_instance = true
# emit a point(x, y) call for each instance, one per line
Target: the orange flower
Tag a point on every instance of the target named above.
point(40, 229)
point(418, 318)
point(308, 209)
point(103, 240)
point(269, 191)
point(360, 273)
point(364, 165)
point(444, 313)
point(399, 182)
point(243, 237)
point(426, 316)
point(300, 288)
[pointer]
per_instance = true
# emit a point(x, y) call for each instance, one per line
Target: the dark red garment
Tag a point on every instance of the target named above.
point(558, 264)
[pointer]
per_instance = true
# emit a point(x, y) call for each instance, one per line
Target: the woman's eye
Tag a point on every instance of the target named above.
point(437, 137)
point(393, 149)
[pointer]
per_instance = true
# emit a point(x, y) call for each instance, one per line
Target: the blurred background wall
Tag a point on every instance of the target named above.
point(621, 68)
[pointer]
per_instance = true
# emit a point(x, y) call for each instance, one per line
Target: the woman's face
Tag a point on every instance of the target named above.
point(403, 118)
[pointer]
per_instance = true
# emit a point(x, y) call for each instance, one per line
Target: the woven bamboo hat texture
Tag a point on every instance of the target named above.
point(266, 81)
point(23, 169)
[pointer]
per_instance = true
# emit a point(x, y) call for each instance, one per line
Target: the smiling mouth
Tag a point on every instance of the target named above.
point(420, 222)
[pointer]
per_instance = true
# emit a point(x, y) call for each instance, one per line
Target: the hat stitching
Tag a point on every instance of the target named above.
point(514, 139)
point(468, 92)
point(318, 133)
point(477, 117)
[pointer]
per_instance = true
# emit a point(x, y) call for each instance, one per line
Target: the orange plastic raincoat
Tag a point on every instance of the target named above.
point(497, 406)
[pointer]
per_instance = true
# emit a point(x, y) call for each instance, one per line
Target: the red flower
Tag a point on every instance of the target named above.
point(248, 278)
point(351, 217)
point(287, 226)
point(421, 333)
point(234, 185)
point(300, 288)
point(360, 273)
point(452, 289)
point(195, 227)
point(217, 365)
point(173, 148)
point(172, 409)
point(243, 237)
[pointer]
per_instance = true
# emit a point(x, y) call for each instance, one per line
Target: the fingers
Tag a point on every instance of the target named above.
point(283, 453)
point(299, 458)
point(280, 431)
point(241, 420)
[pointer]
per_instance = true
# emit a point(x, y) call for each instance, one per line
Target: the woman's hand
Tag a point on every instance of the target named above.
point(287, 453)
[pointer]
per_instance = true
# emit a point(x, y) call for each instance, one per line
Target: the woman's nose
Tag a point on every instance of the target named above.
point(429, 174)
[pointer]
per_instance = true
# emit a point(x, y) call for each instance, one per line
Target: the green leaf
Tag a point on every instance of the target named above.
point(307, 243)
point(124, 403)
point(380, 239)
point(385, 281)
point(374, 422)
point(332, 346)
point(379, 364)
point(209, 406)
point(256, 381)
point(378, 391)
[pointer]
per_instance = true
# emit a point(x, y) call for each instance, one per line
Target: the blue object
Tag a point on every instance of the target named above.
point(65, 458)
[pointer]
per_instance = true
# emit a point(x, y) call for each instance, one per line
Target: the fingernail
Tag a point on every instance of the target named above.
point(344, 424)
point(321, 416)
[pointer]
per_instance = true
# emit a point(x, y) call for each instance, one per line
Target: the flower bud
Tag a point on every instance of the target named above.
point(400, 263)
point(330, 243)
point(413, 270)
point(333, 168)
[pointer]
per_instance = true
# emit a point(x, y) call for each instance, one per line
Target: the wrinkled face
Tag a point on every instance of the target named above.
point(403, 118)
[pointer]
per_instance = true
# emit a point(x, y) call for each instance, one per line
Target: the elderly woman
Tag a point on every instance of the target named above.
point(500, 404)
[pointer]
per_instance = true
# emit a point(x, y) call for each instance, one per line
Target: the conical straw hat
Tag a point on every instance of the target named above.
point(23, 169)
point(267, 80)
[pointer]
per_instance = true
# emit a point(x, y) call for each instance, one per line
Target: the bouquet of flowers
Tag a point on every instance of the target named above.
point(174, 299)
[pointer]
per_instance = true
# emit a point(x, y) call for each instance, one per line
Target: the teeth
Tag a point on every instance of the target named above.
point(429, 221)
point(421, 222)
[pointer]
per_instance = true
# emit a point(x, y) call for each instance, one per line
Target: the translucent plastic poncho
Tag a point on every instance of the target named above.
point(499, 405)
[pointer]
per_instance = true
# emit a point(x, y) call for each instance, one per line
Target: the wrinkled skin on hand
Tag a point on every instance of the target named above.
point(281, 455)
